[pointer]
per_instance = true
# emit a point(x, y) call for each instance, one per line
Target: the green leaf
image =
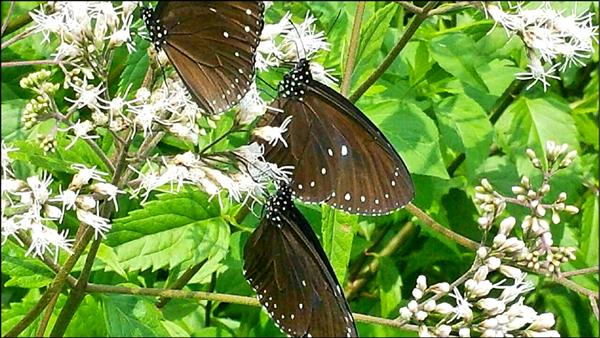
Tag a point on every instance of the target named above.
point(466, 129)
point(457, 54)
point(11, 118)
point(26, 272)
point(174, 329)
point(532, 122)
point(338, 232)
point(131, 316)
point(589, 230)
point(175, 229)
point(412, 133)
point(107, 255)
point(31, 153)
point(82, 325)
point(135, 68)
point(372, 34)
point(390, 286)
point(14, 312)
point(80, 152)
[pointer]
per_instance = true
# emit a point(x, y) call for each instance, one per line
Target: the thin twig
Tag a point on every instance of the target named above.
point(593, 269)
point(594, 305)
point(44, 323)
point(423, 217)
point(33, 63)
point(352, 48)
point(575, 287)
point(226, 298)
point(410, 7)
point(17, 37)
point(389, 59)
point(8, 15)
point(181, 282)
point(450, 7)
point(369, 269)
point(54, 287)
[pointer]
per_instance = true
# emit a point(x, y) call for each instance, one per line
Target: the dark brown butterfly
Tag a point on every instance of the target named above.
point(339, 155)
point(287, 267)
point(211, 44)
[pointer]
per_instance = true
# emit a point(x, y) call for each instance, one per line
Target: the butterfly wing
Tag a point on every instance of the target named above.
point(288, 269)
point(339, 155)
point(212, 46)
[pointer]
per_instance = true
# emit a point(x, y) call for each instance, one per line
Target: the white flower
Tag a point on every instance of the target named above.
point(519, 287)
point(87, 95)
point(303, 41)
point(101, 225)
point(84, 175)
point(319, 73)
point(250, 106)
point(463, 307)
point(543, 322)
point(81, 130)
point(6, 161)
point(538, 73)
point(108, 190)
point(39, 187)
point(42, 237)
point(273, 134)
point(10, 228)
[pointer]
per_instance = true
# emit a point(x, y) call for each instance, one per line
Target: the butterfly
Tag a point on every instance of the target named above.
point(211, 44)
point(339, 155)
point(287, 267)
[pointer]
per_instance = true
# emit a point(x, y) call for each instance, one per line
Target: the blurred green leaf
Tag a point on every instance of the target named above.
point(338, 232)
point(390, 287)
point(589, 230)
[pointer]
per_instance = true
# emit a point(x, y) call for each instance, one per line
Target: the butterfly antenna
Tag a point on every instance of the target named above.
point(301, 43)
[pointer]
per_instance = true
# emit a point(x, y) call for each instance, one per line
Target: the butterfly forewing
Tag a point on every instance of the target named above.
point(212, 46)
point(285, 264)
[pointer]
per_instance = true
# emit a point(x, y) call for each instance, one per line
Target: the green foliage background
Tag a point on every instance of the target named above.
point(434, 103)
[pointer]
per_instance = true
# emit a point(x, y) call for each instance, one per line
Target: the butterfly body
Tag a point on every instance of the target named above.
point(287, 267)
point(339, 155)
point(211, 44)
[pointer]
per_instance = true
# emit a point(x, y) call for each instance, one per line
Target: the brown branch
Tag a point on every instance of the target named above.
point(225, 298)
point(181, 282)
point(17, 37)
point(389, 59)
point(44, 323)
point(352, 48)
point(593, 269)
point(33, 63)
point(8, 15)
point(423, 217)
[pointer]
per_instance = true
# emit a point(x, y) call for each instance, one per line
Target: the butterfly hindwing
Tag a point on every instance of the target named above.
point(286, 265)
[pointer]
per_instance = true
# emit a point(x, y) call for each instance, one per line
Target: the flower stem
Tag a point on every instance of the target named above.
point(389, 59)
point(352, 48)
point(8, 15)
point(44, 323)
point(593, 269)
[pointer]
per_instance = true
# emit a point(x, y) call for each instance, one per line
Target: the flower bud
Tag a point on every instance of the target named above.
point(422, 282)
point(525, 182)
point(464, 332)
point(424, 332)
point(417, 293)
point(413, 306)
point(507, 225)
point(85, 202)
point(571, 209)
point(491, 305)
point(470, 284)
point(481, 273)
point(510, 272)
point(420, 315)
point(482, 252)
point(52, 212)
point(444, 308)
point(440, 287)
point(543, 322)
point(443, 330)
point(555, 217)
point(530, 153)
point(489, 323)
point(405, 313)
point(483, 288)
point(493, 263)
point(429, 305)
point(486, 185)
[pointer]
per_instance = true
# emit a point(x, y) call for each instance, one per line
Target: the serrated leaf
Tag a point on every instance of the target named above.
point(465, 128)
point(82, 325)
point(338, 232)
point(412, 133)
point(456, 54)
point(373, 32)
point(135, 69)
point(13, 313)
point(532, 122)
point(80, 152)
point(175, 229)
point(131, 316)
point(390, 286)
point(32, 154)
point(107, 255)
point(26, 272)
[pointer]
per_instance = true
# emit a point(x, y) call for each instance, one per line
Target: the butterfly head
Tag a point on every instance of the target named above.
point(156, 31)
point(295, 82)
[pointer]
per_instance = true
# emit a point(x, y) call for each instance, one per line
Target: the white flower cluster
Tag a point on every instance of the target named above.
point(247, 180)
point(86, 27)
point(482, 308)
point(535, 251)
point(29, 206)
point(552, 38)
point(285, 42)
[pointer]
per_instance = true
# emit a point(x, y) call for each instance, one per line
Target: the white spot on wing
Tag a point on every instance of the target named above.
point(344, 151)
